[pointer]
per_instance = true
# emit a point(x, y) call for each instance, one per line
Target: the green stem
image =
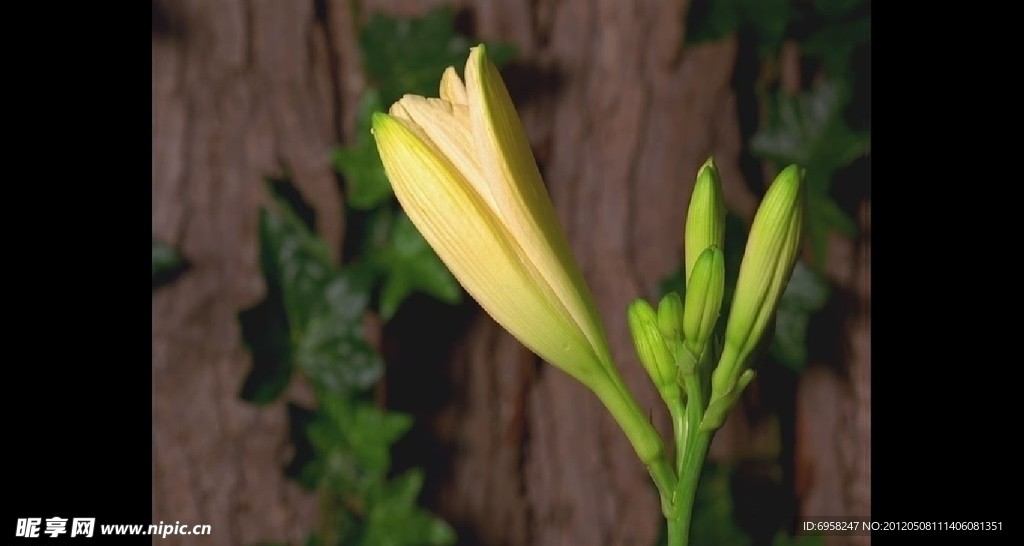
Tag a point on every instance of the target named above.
point(687, 489)
point(679, 430)
point(641, 433)
point(694, 451)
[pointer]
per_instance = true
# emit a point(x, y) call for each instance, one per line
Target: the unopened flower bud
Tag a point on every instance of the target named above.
point(705, 218)
point(704, 294)
point(768, 261)
point(654, 353)
point(670, 315)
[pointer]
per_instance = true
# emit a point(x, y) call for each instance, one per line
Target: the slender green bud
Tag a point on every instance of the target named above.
point(704, 294)
point(670, 315)
point(719, 407)
point(705, 218)
point(772, 251)
point(651, 348)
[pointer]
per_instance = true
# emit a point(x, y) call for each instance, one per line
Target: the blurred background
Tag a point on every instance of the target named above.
point(320, 378)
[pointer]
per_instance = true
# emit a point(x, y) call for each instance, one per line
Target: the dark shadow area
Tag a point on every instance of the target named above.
point(744, 86)
point(418, 343)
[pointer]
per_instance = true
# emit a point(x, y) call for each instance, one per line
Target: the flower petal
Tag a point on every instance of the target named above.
point(452, 88)
point(446, 126)
point(472, 242)
point(520, 198)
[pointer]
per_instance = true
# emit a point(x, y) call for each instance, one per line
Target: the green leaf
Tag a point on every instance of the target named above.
point(336, 357)
point(165, 258)
point(394, 519)
point(769, 19)
point(397, 252)
point(834, 45)
point(323, 305)
point(806, 293)
point(809, 130)
point(367, 183)
point(352, 441)
point(409, 55)
point(300, 263)
point(332, 350)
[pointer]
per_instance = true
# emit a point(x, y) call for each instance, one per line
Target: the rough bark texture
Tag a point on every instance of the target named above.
point(621, 115)
point(241, 90)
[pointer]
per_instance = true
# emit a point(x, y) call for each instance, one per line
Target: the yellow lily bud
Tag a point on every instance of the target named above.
point(771, 253)
point(654, 353)
point(704, 294)
point(705, 217)
point(462, 169)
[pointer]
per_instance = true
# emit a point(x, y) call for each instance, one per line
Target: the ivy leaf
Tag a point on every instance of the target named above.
point(398, 253)
point(806, 293)
point(834, 45)
point(300, 263)
point(394, 519)
point(323, 305)
point(809, 130)
point(360, 164)
point(352, 441)
point(409, 55)
point(332, 350)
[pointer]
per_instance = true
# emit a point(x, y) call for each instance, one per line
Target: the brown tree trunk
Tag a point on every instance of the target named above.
point(621, 115)
point(241, 90)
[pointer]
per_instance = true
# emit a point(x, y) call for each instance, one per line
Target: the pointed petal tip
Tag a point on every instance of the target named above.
point(378, 120)
point(452, 88)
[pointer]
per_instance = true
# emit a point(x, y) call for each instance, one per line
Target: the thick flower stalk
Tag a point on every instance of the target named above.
point(462, 168)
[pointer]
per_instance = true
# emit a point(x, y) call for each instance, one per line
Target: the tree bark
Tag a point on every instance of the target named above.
point(621, 115)
point(241, 90)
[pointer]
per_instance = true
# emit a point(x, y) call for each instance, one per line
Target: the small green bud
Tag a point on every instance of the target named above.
point(651, 348)
point(686, 361)
point(771, 253)
point(705, 218)
point(719, 407)
point(704, 294)
point(670, 315)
